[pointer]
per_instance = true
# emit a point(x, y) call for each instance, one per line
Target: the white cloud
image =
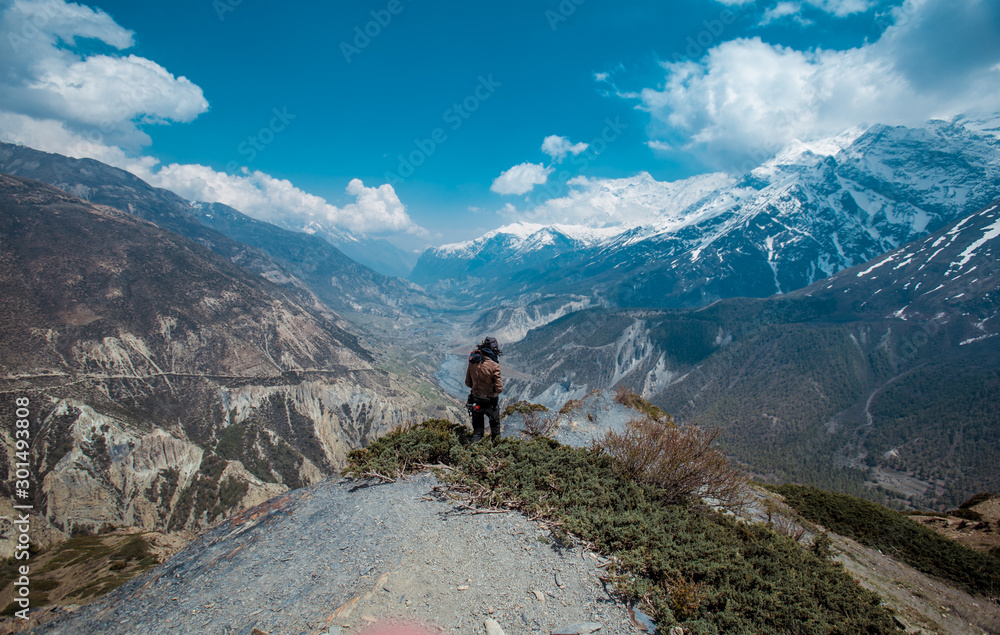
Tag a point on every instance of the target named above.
point(784, 10)
point(842, 8)
point(787, 8)
point(57, 100)
point(49, 135)
point(45, 20)
point(746, 99)
point(521, 178)
point(105, 97)
point(558, 147)
point(626, 202)
point(374, 210)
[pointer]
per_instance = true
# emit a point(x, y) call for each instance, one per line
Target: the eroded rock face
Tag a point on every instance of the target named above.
point(168, 387)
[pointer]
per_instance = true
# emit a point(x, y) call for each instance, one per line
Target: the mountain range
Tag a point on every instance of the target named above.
point(319, 273)
point(811, 211)
point(883, 375)
point(235, 346)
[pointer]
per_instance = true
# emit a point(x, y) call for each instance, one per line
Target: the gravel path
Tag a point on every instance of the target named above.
point(335, 557)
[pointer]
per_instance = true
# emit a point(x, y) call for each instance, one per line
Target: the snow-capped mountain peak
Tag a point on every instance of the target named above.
point(521, 236)
point(814, 209)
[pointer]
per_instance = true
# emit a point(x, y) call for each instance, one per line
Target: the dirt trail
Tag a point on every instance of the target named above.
point(335, 557)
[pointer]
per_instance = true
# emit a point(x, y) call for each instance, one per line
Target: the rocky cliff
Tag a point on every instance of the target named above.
point(168, 386)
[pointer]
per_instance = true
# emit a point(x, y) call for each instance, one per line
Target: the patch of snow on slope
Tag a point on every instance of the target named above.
point(867, 271)
point(991, 232)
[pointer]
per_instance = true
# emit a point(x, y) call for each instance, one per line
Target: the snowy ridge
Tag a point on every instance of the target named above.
point(814, 209)
point(529, 236)
point(955, 268)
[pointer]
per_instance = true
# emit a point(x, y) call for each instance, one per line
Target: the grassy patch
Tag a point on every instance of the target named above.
point(523, 408)
point(627, 398)
point(570, 406)
point(901, 537)
point(687, 566)
point(99, 587)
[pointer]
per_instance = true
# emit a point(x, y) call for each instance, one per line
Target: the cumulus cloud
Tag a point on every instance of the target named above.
point(521, 178)
point(626, 202)
point(785, 10)
point(558, 147)
point(842, 8)
point(746, 98)
point(374, 210)
point(58, 100)
point(105, 97)
point(839, 8)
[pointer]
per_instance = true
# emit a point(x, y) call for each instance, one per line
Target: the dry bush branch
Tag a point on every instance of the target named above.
point(781, 519)
point(535, 426)
point(678, 461)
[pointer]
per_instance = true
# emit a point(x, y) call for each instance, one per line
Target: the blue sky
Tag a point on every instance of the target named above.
point(425, 122)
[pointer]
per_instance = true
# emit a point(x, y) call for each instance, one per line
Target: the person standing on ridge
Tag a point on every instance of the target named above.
point(483, 378)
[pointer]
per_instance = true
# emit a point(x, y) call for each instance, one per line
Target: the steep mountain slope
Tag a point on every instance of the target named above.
point(340, 282)
point(168, 386)
point(343, 283)
point(809, 212)
point(376, 253)
point(888, 371)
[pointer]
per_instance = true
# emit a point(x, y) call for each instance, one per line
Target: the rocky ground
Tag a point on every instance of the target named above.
point(922, 604)
point(344, 556)
point(980, 529)
point(338, 556)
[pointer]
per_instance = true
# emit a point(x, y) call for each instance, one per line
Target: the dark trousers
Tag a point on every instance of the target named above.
point(487, 408)
point(479, 425)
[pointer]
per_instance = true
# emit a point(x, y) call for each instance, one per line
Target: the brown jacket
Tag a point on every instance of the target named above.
point(484, 379)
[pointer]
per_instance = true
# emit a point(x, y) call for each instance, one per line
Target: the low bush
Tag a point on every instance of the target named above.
point(680, 462)
point(405, 450)
point(523, 408)
point(536, 426)
point(627, 398)
point(704, 571)
point(896, 534)
point(570, 406)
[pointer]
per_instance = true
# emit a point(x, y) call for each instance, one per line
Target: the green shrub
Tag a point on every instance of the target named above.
point(705, 571)
point(966, 514)
point(981, 497)
point(627, 398)
point(522, 407)
point(405, 450)
point(570, 406)
point(136, 548)
point(894, 533)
